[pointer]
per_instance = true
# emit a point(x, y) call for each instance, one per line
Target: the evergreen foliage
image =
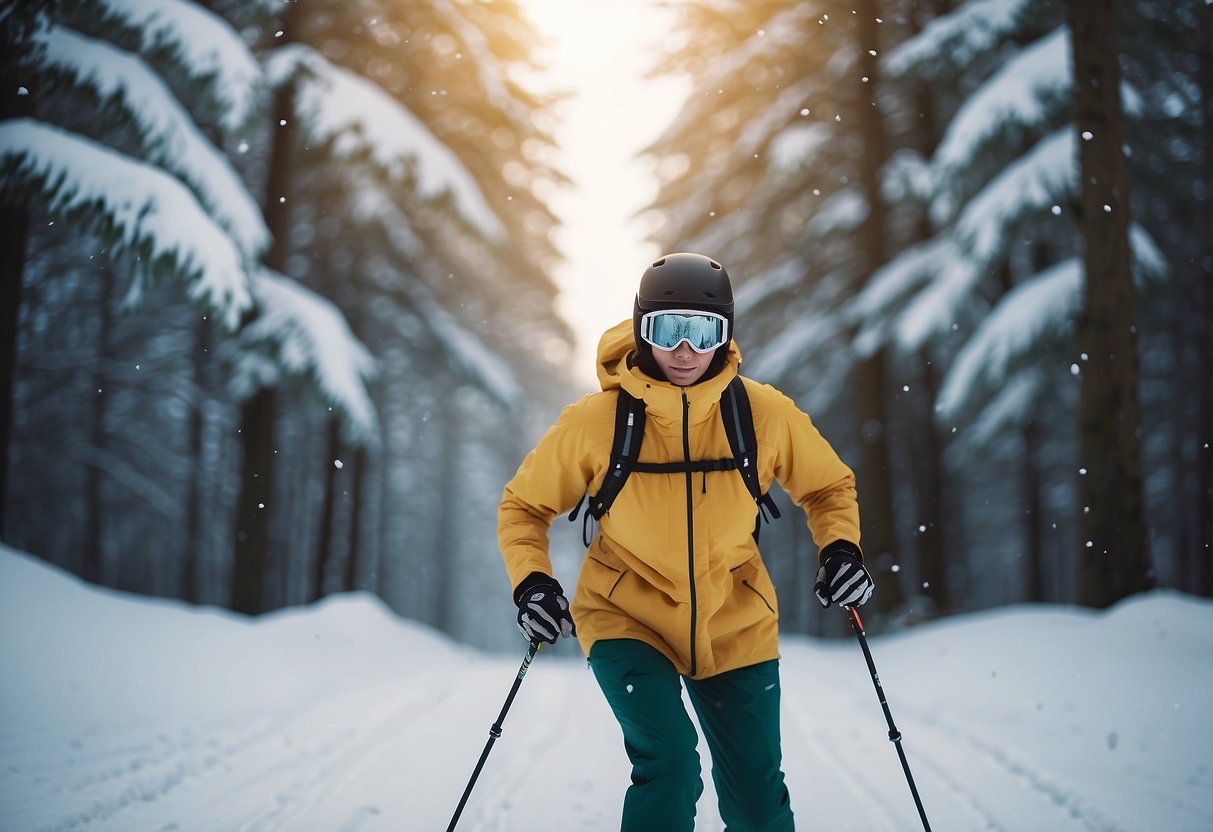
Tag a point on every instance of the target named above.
point(976, 292)
point(280, 269)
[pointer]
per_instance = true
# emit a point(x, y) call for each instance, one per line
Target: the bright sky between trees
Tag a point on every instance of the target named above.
point(600, 52)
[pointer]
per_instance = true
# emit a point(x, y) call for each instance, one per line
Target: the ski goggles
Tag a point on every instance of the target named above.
point(667, 328)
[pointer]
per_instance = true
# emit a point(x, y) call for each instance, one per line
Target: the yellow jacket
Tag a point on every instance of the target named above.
point(703, 598)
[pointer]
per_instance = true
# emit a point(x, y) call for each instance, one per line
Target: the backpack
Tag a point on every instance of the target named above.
point(738, 421)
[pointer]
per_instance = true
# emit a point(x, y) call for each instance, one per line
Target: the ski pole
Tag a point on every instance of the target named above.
point(495, 731)
point(894, 734)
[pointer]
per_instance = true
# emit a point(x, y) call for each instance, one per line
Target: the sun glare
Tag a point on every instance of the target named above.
point(599, 53)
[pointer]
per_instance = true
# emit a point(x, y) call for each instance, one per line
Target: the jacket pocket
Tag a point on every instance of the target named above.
point(613, 575)
point(751, 579)
point(754, 590)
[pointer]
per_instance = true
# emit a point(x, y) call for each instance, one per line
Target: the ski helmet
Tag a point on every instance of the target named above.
point(682, 281)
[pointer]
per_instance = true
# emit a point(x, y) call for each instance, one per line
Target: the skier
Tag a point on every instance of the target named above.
point(672, 589)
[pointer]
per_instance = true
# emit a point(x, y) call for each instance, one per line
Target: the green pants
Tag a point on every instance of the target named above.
point(739, 714)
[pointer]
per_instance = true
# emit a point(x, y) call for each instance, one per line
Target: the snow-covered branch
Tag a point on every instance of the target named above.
point(935, 308)
point(149, 213)
point(805, 360)
point(815, 330)
point(203, 44)
point(169, 136)
point(479, 364)
point(1012, 404)
point(843, 211)
point(1037, 309)
point(488, 68)
point(886, 291)
point(362, 121)
point(305, 335)
point(768, 126)
point(1022, 97)
point(796, 146)
point(953, 41)
point(1044, 304)
point(471, 358)
point(1046, 175)
point(783, 277)
point(786, 30)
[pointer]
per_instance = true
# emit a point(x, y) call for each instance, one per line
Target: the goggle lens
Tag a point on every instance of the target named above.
point(704, 331)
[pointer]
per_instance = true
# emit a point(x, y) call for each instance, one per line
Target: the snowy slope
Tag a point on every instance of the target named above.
point(118, 713)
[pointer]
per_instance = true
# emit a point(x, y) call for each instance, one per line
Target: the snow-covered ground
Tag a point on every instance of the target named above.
point(122, 713)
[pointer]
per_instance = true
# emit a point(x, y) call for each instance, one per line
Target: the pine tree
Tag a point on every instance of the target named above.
point(1115, 559)
point(783, 144)
point(194, 218)
point(1006, 170)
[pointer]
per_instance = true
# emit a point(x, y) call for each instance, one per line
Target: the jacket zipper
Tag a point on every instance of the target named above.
point(686, 451)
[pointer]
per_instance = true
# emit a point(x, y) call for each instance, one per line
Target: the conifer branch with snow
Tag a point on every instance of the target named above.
point(203, 45)
point(360, 121)
point(168, 134)
point(298, 333)
point(144, 213)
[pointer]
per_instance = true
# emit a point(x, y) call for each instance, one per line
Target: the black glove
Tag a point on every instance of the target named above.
point(543, 611)
point(842, 578)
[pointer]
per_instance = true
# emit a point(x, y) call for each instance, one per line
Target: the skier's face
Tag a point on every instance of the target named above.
point(682, 365)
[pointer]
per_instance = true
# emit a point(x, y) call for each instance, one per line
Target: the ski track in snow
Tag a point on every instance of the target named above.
point(343, 720)
point(321, 769)
point(944, 759)
point(1021, 799)
point(552, 741)
point(151, 766)
point(527, 765)
point(1076, 812)
point(956, 754)
point(292, 761)
point(831, 773)
point(300, 768)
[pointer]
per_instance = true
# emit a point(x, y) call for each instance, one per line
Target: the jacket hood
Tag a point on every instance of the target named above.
point(619, 342)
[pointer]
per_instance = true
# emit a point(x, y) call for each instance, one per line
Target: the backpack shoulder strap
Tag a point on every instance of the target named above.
point(738, 420)
point(739, 428)
point(625, 450)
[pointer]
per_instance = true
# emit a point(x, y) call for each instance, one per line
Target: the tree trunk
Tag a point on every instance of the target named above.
point(1203, 553)
point(1035, 560)
point(257, 418)
point(15, 222)
point(1034, 557)
point(933, 541)
point(258, 415)
point(353, 557)
point(874, 475)
point(932, 552)
point(1114, 556)
point(190, 587)
point(324, 554)
point(93, 567)
point(387, 558)
point(445, 571)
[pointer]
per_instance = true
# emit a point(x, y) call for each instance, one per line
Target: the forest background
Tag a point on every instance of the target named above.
point(279, 320)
